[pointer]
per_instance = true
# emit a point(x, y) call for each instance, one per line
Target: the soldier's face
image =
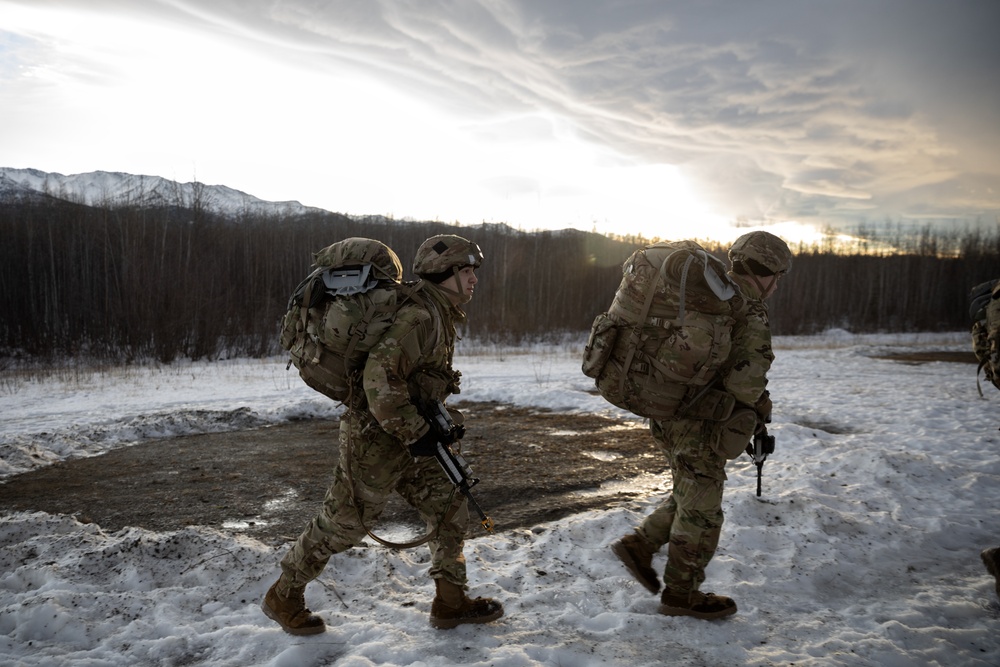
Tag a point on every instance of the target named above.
point(769, 284)
point(464, 283)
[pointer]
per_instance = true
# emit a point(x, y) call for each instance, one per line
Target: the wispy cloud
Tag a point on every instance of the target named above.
point(830, 113)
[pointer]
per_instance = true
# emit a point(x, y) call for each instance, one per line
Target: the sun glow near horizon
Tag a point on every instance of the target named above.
point(152, 99)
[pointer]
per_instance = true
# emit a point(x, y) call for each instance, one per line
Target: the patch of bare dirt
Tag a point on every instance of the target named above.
point(932, 355)
point(267, 483)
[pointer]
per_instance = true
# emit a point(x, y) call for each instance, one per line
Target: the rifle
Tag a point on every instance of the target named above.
point(762, 445)
point(454, 465)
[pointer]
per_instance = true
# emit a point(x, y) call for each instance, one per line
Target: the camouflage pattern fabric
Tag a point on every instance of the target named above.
point(329, 344)
point(339, 311)
point(751, 355)
point(412, 361)
point(642, 270)
point(985, 311)
point(666, 333)
point(444, 253)
point(764, 248)
point(356, 251)
point(379, 466)
point(690, 520)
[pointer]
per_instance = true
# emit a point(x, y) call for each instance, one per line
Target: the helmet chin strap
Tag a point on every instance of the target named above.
point(460, 296)
point(753, 277)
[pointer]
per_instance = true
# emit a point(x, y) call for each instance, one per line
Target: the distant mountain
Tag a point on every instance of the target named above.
point(100, 187)
point(97, 188)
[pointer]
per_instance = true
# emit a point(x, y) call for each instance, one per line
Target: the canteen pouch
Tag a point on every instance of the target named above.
point(734, 434)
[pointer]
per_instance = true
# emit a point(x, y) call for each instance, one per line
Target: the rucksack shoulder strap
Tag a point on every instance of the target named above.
point(418, 295)
point(635, 335)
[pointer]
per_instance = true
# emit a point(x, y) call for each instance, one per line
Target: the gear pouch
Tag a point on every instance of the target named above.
point(714, 405)
point(733, 435)
point(603, 334)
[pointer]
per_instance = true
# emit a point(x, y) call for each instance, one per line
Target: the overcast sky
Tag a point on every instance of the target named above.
point(669, 118)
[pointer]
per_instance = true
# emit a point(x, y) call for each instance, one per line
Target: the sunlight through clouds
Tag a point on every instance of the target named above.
point(662, 119)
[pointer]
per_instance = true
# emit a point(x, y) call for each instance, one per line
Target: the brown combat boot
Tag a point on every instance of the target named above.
point(991, 559)
point(451, 607)
point(706, 606)
point(289, 611)
point(637, 555)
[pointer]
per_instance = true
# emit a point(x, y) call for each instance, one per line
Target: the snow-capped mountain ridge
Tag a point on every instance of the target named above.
point(116, 188)
point(98, 188)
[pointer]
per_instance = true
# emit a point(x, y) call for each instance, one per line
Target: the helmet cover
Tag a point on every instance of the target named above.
point(762, 250)
point(444, 253)
point(356, 251)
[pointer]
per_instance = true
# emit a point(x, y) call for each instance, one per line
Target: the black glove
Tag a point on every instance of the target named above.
point(426, 445)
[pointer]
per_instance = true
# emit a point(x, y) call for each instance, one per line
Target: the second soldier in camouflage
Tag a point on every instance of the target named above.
point(690, 521)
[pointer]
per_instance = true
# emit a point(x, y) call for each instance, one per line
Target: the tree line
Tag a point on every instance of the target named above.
point(127, 283)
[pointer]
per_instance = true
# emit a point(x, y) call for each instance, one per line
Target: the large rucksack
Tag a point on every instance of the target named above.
point(659, 347)
point(340, 311)
point(984, 307)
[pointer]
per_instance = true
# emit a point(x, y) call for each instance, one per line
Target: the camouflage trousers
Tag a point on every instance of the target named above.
point(690, 521)
point(379, 465)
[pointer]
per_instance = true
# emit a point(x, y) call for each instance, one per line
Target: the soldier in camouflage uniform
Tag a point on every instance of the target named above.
point(389, 447)
point(985, 312)
point(690, 520)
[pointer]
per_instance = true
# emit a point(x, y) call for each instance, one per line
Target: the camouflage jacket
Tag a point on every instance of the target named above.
point(745, 374)
point(412, 362)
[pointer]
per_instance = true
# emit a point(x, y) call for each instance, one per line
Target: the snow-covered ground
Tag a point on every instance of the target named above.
point(863, 550)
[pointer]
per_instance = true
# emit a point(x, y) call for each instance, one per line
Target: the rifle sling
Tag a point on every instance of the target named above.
point(456, 503)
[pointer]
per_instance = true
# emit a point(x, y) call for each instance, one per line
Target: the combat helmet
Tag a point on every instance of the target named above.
point(439, 257)
point(761, 253)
